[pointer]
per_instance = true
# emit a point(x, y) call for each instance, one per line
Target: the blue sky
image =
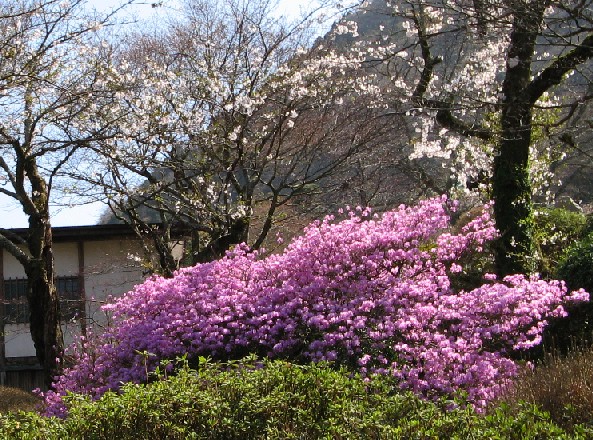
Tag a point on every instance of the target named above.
point(143, 8)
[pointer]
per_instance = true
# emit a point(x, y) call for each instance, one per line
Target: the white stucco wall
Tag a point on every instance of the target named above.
point(108, 270)
point(65, 256)
point(12, 268)
point(66, 259)
point(18, 342)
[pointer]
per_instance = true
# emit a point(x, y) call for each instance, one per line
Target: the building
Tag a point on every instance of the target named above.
point(91, 264)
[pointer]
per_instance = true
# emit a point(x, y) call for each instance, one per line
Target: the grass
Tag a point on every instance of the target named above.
point(559, 385)
point(14, 400)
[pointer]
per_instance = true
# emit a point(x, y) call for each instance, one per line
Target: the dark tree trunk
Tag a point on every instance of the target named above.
point(511, 186)
point(481, 16)
point(44, 303)
point(511, 191)
point(236, 233)
point(167, 263)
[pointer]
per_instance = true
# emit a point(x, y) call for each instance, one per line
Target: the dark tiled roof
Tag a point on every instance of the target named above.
point(94, 232)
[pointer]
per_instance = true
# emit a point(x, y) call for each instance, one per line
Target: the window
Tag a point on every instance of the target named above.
point(71, 302)
point(16, 308)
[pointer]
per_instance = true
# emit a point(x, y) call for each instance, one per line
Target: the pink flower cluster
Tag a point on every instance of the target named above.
point(371, 292)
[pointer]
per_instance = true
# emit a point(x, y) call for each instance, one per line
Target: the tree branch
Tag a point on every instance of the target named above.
point(554, 74)
point(444, 116)
point(446, 119)
point(12, 248)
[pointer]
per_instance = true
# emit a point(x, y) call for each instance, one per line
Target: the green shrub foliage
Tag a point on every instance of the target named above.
point(275, 400)
point(576, 269)
point(556, 229)
point(577, 266)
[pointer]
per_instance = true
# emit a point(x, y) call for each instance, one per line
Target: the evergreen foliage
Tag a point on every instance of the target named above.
point(277, 400)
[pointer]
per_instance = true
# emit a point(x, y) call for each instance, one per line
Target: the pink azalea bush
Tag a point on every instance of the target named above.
point(370, 292)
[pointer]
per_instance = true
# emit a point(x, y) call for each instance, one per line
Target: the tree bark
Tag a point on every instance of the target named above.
point(511, 186)
point(236, 233)
point(44, 303)
point(162, 245)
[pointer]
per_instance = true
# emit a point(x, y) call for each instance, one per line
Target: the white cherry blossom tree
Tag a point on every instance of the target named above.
point(46, 82)
point(225, 115)
point(480, 78)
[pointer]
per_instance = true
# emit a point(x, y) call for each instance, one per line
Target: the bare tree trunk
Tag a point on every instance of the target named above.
point(44, 303)
point(162, 245)
point(237, 233)
point(511, 186)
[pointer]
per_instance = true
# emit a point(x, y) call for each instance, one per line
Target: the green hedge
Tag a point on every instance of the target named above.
point(576, 269)
point(556, 229)
point(565, 248)
point(275, 400)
